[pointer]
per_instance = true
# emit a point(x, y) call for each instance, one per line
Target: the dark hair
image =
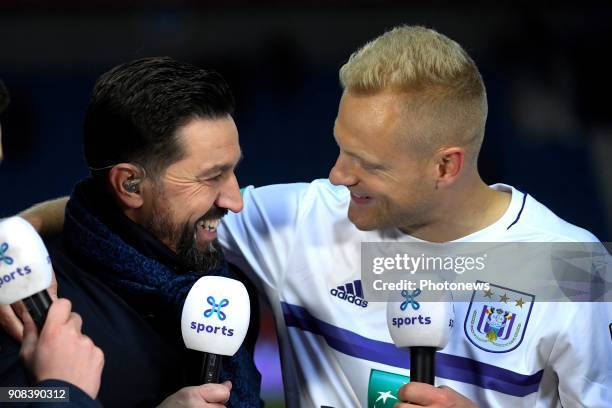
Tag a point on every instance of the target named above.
point(5, 99)
point(137, 107)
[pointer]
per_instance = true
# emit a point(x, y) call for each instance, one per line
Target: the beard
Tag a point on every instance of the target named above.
point(190, 253)
point(182, 237)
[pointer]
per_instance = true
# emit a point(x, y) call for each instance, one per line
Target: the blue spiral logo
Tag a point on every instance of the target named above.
point(3, 257)
point(216, 308)
point(410, 299)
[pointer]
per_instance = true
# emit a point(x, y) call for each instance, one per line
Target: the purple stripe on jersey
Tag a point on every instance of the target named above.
point(447, 366)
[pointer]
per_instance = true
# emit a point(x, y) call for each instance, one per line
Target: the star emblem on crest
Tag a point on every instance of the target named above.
point(488, 293)
point(504, 298)
point(520, 302)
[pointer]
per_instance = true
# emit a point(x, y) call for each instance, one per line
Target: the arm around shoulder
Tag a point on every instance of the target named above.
point(47, 217)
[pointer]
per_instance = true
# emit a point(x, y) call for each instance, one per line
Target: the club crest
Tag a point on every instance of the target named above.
point(497, 318)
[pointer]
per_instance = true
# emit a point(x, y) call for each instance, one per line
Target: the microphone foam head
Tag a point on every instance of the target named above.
point(414, 323)
point(25, 266)
point(216, 315)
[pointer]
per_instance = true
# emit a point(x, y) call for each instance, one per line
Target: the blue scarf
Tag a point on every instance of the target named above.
point(129, 272)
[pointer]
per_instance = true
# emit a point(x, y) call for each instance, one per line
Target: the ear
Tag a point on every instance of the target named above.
point(125, 181)
point(449, 163)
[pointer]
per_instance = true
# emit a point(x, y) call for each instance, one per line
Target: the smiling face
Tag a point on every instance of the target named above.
point(183, 208)
point(391, 182)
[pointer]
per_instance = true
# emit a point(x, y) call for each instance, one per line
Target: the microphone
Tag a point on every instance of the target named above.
point(25, 268)
point(423, 327)
point(215, 320)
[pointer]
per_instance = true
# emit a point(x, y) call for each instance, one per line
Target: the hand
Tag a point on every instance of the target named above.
point(9, 314)
point(61, 351)
point(415, 394)
point(201, 396)
point(47, 219)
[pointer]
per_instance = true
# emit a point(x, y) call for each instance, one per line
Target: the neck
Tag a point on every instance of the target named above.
point(465, 208)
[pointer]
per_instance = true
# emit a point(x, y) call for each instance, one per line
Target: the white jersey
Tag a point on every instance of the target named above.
point(336, 351)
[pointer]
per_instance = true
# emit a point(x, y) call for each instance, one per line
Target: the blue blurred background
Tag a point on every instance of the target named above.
point(549, 130)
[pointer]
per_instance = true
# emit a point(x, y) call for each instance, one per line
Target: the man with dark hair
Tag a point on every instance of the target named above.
point(162, 147)
point(131, 138)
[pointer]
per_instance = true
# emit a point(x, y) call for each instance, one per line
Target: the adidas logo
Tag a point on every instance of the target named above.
point(350, 292)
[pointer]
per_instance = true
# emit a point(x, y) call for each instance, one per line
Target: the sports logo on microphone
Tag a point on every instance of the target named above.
point(411, 302)
point(25, 266)
point(7, 260)
point(216, 308)
point(3, 257)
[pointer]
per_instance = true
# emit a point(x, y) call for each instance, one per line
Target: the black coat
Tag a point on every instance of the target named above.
point(145, 359)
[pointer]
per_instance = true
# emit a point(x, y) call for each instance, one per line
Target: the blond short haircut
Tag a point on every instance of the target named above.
point(422, 62)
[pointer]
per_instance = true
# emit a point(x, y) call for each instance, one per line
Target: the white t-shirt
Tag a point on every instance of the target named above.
point(297, 243)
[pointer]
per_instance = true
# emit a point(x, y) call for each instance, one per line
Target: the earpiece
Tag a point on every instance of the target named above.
point(131, 186)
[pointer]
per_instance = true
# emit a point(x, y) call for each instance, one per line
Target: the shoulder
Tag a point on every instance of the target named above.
point(317, 188)
point(303, 196)
point(539, 223)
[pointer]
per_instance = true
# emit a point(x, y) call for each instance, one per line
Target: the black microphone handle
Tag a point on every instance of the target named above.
point(422, 364)
point(211, 368)
point(38, 305)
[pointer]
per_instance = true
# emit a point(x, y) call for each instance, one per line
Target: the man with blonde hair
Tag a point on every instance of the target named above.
point(409, 128)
